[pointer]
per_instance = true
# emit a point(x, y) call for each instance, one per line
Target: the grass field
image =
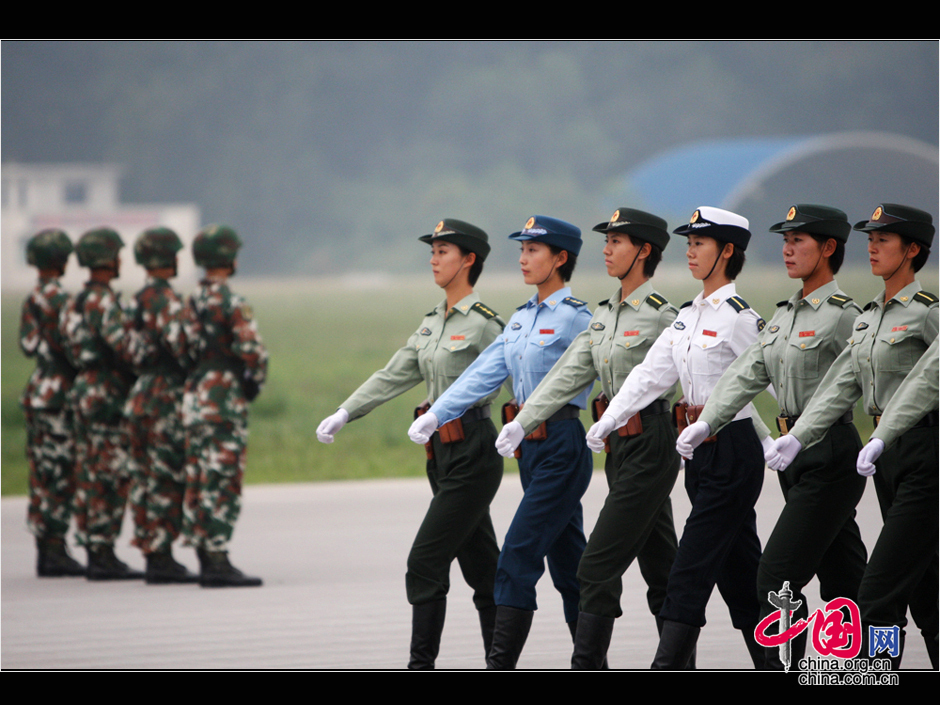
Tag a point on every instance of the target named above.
point(325, 337)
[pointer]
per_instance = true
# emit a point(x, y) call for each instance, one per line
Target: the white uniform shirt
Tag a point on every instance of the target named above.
point(706, 337)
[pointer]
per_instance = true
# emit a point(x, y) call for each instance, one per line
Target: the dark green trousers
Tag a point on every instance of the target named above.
point(636, 520)
point(902, 569)
point(464, 477)
point(816, 533)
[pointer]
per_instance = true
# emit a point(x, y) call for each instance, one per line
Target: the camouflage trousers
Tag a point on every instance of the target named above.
point(103, 481)
point(215, 465)
point(159, 480)
point(50, 450)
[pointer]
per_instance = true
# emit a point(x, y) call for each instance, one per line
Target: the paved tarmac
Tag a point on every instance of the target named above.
point(332, 556)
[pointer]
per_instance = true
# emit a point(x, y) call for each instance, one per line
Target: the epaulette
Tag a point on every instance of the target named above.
point(839, 299)
point(656, 301)
point(868, 305)
point(687, 304)
point(519, 308)
point(604, 302)
point(571, 301)
point(737, 303)
point(484, 310)
point(431, 313)
point(783, 303)
point(926, 298)
point(843, 301)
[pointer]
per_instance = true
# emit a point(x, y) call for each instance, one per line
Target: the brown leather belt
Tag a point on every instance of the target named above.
point(928, 420)
point(634, 426)
point(687, 414)
point(785, 424)
point(511, 409)
point(452, 431)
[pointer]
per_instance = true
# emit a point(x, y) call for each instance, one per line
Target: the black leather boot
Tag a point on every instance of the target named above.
point(509, 635)
point(487, 625)
point(591, 641)
point(676, 644)
point(53, 559)
point(216, 571)
point(427, 623)
point(162, 569)
point(659, 630)
point(104, 565)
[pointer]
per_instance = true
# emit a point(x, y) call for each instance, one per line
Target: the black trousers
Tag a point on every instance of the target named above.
point(464, 477)
point(719, 544)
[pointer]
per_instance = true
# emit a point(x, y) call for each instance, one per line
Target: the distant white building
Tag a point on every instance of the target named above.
point(76, 198)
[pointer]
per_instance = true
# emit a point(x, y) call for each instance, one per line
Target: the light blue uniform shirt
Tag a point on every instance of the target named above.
point(533, 340)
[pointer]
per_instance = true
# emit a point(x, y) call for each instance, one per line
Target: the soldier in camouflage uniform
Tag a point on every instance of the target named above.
point(49, 445)
point(154, 408)
point(93, 325)
point(230, 367)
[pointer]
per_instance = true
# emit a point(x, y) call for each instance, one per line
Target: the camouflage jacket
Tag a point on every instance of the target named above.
point(157, 348)
point(228, 356)
point(40, 337)
point(93, 325)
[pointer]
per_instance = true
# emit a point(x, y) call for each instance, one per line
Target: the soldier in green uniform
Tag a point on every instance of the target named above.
point(641, 466)
point(463, 466)
point(154, 408)
point(230, 364)
point(94, 325)
point(816, 532)
point(50, 447)
point(888, 339)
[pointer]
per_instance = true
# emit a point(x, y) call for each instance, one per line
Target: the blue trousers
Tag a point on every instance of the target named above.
point(555, 474)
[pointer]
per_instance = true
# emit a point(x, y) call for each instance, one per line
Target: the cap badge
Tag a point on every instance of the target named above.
point(791, 214)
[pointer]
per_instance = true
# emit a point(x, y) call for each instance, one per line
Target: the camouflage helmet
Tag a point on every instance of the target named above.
point(216, 246)
point(98, 247)
point(48, 249)
point(157, 247)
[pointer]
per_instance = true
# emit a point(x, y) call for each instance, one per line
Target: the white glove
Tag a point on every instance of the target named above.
point(599, 431)
point(331, 425)
point(782, 452)
point(868, 455)
point(509, 439)
point(423, 428)
point(692, 437)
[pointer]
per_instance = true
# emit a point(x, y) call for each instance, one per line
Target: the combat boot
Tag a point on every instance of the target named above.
point(104, 565)
point(591, 640)
point(216, 571)
point(162, 569)
point(676, 644)
point(427, 624)
point(53, 559)
point(509, 635)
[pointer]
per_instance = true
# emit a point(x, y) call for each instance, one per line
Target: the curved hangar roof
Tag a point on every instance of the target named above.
point(761, 177)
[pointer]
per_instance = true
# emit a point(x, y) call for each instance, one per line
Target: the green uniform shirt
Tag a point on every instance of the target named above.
point(617, 339)
point(916, 396)
point(886, 342)
point(792, 352)
point(438, 352)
